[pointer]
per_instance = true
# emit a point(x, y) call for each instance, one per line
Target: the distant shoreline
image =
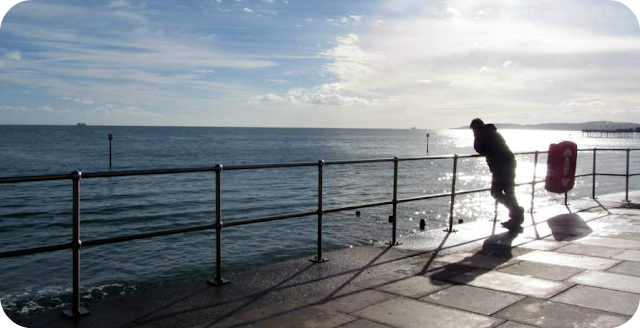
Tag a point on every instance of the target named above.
point(595, 125)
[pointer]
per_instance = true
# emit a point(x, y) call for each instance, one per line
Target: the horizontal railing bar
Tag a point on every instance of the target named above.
point(117, 239)
point(90, 175)
point(585, 175)
point(609, 149)
point(146, 172)
point(413, 199)
point(268, 166)
point(359, 161)
point(34, 178)
point(464, 192)
point(35, 250)
point(423, 158)
point(613, 174)
point(268, 219)
point(355, 207)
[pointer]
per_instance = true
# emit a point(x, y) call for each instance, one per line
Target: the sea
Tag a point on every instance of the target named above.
point(38, 214)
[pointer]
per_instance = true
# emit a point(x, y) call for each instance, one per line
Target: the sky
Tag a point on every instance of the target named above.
point(335, 63)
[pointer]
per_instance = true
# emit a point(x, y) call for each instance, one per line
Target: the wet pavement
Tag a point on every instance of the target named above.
point(572, 266)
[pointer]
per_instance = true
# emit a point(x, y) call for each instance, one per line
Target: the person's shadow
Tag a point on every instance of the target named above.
point(496, 250)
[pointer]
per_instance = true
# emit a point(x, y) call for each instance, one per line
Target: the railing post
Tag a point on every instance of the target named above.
point(593, 183)
point(76, 311)
point(394, 215)
point(318, 258)
point(453, 192)
point(533, 182)
point(626, 191)
point(218, 280)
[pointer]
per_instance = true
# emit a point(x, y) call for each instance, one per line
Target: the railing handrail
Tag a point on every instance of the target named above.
point(106, 174)
point(76, 244)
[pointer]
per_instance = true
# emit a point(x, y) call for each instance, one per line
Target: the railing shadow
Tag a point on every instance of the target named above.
point(496, 250)
point(247, 302)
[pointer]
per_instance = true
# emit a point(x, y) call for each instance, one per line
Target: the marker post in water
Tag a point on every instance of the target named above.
point(427, 143)
point(110, 137)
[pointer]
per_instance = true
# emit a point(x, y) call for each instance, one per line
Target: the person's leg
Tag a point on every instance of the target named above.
point(502, 189)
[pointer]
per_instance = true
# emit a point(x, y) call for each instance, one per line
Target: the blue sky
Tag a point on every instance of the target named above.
point(294, 63)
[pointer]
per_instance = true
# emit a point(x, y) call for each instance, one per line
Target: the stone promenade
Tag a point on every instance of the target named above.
point(572, 266)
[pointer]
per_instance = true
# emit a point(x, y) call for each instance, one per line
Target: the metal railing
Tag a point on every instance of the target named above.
point(76, 243)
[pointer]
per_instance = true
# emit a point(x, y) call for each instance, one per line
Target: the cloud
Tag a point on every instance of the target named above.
point(326, 95)
point(13, 55)
point(249, 10)
point(581, 103)
point(78, 100)
point(266, 98)
point(345, 21)
point(130, 16)
point(330, 94)
point(118, 4)
point(453, 11)
point(423, 81)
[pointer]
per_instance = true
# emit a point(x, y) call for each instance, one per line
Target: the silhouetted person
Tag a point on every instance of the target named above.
point(502, 164)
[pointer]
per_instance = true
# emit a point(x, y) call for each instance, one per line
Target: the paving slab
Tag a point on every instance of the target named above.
point(446, 272)
point(415, 287)
point(600, 299)
point(609, 242)
point(512, 324)
point(362, 323)
point(544, 244)
point(615, 281)
point(617, 233)
point(477, 260)
point(226, 323)
point(511, 283)
point(576, 261)
point(473, 299)
point(629, 255)
point(627, 267)
point(355, 301)
point(409, 313)
point(590, 250)
point(383, 279)
point(308, 316)
point(549, 314)
point(542, 270)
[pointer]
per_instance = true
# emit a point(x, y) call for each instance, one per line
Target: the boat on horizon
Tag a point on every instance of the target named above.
point(82, 124)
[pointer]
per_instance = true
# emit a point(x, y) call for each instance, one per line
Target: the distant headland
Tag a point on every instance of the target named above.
point(594, 125)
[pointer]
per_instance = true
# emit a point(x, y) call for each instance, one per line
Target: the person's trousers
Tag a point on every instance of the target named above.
point(502, 188)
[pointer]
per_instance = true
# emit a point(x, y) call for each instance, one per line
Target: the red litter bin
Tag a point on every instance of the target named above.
point(561, 167)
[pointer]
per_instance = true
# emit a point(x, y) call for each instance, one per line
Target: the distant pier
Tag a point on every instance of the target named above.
point(613, 133)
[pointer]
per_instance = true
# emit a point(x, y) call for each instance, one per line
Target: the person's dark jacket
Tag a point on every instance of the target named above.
point(489, 143)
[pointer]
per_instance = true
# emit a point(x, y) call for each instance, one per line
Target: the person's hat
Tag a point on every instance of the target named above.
point(476, 123)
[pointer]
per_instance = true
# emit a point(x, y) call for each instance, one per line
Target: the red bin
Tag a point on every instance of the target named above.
point(561, 167)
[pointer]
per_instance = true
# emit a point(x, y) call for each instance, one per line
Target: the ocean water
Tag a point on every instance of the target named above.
point(39, 213)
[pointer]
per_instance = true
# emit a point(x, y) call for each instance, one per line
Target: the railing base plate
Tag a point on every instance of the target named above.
point(315, 260)
point(82, 313)
point(393, 244)
point(452, 230)
point(218, 282)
